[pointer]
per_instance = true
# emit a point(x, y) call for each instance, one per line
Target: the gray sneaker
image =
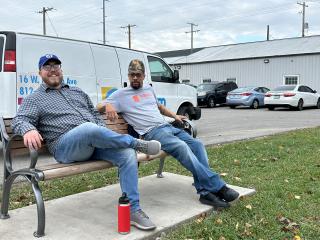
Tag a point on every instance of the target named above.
point(141, 220)
point(152, 147)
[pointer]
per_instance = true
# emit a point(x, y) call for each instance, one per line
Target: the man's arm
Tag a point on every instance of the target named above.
point(166, 112)
point(109, 110)
point(94, 111)
point(24, 124)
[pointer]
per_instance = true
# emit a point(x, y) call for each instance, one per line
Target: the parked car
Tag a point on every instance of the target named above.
point(247, 96)
point(292, 96)
point(210, 94)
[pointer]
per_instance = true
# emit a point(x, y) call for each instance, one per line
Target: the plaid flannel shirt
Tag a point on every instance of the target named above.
point(54, 112)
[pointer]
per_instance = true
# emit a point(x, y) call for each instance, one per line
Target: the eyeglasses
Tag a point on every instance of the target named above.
point(138, 75)
point(49, 67)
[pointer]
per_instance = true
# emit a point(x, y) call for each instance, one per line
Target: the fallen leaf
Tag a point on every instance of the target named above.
point(286, 180)
point(222, 238)
point(249, 207)
point(237, 179)
point(284, 220)
point(219, 221)
point(248, 225)
point(237, 162)
point(296, 237)
point(274, 159)
point(297, 197)
point(237, 226)
point(223, 174)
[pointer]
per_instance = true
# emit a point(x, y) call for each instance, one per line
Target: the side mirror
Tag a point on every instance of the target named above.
point(175, 76)
point(314, 91)
point(125, 84)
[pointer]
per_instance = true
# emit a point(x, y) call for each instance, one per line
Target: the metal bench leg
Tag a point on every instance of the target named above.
point(7, 184)
point(40, 209)
point(161, 164)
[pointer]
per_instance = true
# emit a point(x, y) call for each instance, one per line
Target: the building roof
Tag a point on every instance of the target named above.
point(261, 49)
point(178, 53)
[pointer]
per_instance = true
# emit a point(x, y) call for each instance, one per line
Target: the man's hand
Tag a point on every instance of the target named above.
point(180, 118)
point(111, 112)
point(32, 139)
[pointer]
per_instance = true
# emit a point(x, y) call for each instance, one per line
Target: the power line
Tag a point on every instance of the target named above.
point(54, 29)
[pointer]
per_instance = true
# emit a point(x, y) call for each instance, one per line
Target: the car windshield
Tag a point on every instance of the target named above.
point(205, 87)
point(242, 89)
point(285, 88)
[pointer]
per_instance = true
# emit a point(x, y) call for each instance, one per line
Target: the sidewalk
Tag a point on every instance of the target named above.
point(169, 201)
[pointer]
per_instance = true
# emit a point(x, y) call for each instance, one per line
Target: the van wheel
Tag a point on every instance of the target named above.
point(255, 104)
point(185, 111)
point(300, 105)
point(271, 108)
point(211, 102)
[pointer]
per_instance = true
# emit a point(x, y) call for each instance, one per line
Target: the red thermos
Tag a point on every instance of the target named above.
point(124, 214)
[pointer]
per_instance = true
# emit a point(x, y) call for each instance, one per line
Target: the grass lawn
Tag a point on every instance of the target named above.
point(284, 169)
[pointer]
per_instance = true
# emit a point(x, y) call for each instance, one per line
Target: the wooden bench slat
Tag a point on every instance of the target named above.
point(75, 169)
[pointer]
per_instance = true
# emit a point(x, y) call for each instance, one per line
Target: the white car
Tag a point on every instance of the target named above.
point(292, 96)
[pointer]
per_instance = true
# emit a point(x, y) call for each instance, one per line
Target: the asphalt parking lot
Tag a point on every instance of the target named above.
point(222, 124)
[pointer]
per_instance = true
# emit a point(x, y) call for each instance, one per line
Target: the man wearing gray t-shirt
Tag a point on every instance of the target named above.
point(139, 107)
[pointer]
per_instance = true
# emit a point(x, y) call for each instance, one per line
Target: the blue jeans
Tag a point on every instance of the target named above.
point(90, 141)
point(191, 153)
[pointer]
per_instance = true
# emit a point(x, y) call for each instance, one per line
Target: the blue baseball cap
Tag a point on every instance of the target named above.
point(44, 59)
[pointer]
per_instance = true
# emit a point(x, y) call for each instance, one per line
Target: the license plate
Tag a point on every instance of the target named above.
point(276, 96)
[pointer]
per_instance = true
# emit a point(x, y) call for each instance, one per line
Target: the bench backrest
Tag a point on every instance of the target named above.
point(18, 148)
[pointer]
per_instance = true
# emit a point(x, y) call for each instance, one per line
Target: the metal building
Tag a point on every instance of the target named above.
point(263, 63)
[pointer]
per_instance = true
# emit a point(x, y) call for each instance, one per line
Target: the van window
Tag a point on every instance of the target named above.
point(1, 51)
point(160, 72)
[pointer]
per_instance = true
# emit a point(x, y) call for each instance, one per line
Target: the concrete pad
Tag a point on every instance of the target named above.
point(168, 201)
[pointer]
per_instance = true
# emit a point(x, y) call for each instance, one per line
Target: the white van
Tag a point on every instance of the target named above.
point(95, 68)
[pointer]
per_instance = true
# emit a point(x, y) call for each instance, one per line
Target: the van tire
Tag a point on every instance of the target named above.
point(185, 111)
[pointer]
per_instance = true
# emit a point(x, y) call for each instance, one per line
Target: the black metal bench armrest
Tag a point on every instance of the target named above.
point(8, 160)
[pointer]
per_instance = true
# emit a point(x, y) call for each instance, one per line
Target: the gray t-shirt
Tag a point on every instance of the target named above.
point(138, 107)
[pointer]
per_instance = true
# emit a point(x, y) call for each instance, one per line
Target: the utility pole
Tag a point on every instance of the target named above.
point(44, 11)
point(268, 33)
point(192, 31)
point(303, 16)
point(104, 21)
point(129, 26)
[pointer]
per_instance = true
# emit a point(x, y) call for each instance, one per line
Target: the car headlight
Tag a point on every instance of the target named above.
point(201, 94)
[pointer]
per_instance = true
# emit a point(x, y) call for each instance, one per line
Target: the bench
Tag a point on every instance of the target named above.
point(13, 146)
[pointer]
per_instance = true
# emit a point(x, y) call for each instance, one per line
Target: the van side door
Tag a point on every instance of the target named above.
point(108, 76)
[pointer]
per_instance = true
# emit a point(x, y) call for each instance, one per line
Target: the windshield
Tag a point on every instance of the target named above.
point(285, 88)
point(205, 87)
point(1, 51)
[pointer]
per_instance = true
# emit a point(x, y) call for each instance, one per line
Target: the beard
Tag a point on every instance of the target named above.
point(135, 85)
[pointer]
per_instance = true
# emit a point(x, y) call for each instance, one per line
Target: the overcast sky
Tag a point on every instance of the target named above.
point(161, 25)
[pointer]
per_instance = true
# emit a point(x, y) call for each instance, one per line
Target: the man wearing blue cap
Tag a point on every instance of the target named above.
point(66, 119)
